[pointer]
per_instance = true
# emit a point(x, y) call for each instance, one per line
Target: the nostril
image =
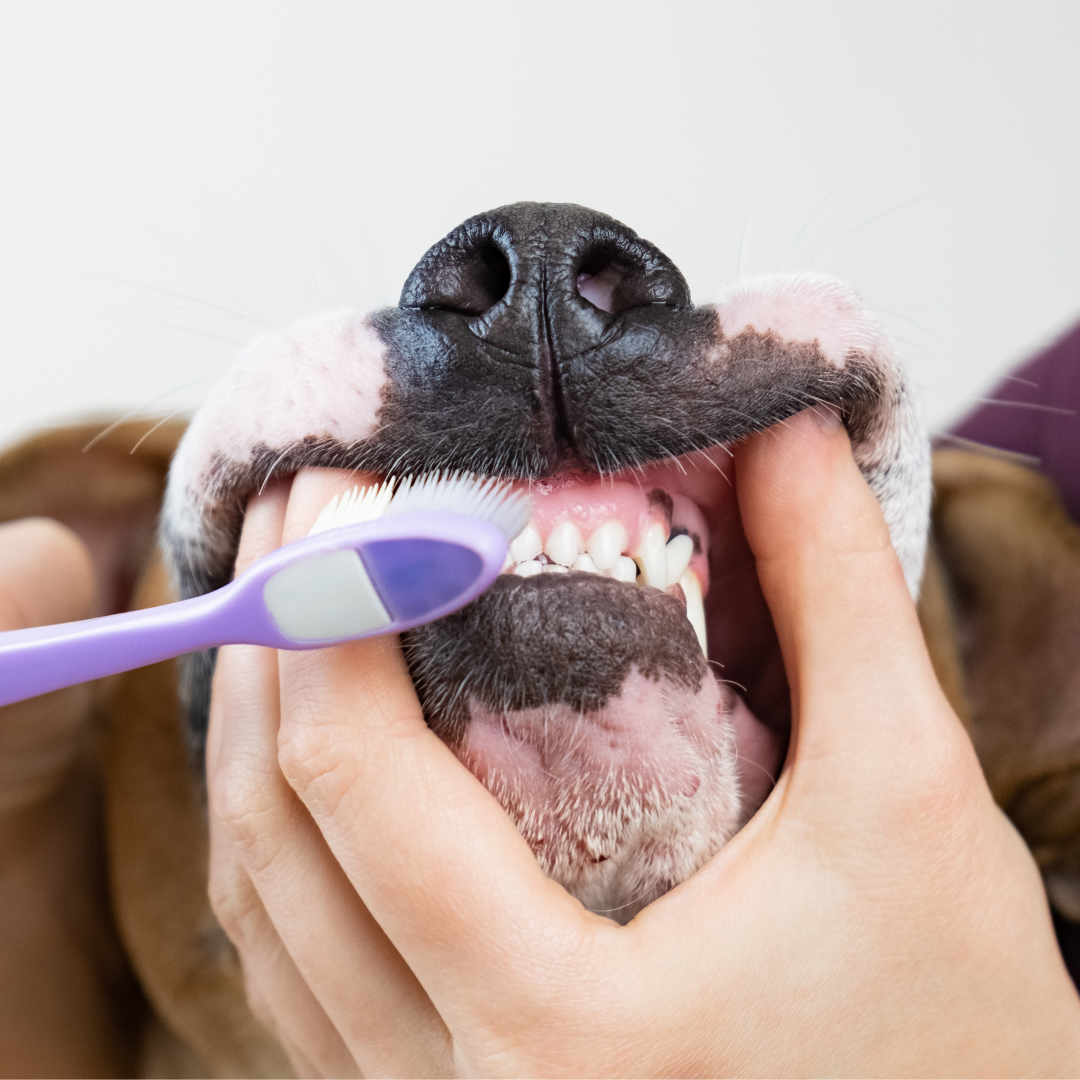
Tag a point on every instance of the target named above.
point(466, 280)
point(616, 280)
point(598, 289)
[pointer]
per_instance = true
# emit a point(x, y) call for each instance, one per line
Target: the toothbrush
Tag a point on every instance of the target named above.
point(379, 560)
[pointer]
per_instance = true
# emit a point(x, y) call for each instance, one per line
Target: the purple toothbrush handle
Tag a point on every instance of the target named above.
point(423, 566)
point(46, 658)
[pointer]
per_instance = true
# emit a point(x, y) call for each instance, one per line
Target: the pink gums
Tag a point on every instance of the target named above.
point(589, 504)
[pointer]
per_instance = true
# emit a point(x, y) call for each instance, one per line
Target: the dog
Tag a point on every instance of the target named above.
point(619, 689)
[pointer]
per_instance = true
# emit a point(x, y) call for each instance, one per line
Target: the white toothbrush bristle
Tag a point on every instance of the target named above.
point(358, 504)
point(487, 498)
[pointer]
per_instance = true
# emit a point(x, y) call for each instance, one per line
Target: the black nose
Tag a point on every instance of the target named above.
point(524, 334)
point(532, 255)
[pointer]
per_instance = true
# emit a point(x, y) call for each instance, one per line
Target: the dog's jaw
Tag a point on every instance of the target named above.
point(622, 787)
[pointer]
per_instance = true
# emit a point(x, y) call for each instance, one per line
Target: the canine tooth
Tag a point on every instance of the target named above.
point(508, 563)
point(526, 545)
point(556, 568)
point(607, 544)
point(529, 568)
point(564, 544)
point(695, 607)
point(625, 569)
point(679, 551)
point(651, 556)
point(583, 562)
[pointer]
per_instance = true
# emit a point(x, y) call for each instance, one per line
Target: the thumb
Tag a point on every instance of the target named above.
point(852, 646)
point(46, 574)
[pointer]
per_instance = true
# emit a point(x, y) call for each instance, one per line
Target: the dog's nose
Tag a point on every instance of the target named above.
point(535, 326)
point(533, 260)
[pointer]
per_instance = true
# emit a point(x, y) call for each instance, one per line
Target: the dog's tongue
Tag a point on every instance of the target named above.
point(585, 705)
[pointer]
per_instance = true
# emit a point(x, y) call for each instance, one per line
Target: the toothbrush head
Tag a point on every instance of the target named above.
point(388, 557)
point(489, 499)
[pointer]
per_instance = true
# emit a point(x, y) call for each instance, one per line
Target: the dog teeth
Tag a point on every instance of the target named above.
point(564, 544)
point(695, 606)
point(607, 544)
point(679, 551)
point(651, 556)
point(526, 545)
point(657, 562)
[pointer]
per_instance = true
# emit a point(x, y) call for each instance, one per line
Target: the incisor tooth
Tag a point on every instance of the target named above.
point(652, 557)
point(625, 569)
point(564, 543)
point(695, 607)
point(607, 544)
point(584, 563)
point(556, 568)
point(679, 551)
point(526, 545)
point(529, 569)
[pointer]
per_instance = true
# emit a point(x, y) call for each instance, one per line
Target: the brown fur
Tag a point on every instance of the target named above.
point(1013, 566)
point(1000, 609)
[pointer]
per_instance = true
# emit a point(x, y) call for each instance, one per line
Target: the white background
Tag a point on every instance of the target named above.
point(177, 177)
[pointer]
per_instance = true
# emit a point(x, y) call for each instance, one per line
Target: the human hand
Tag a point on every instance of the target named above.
point(66, 985)
point(46, 576)
point(877, 915)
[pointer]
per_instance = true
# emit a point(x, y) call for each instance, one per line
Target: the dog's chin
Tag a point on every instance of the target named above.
point(586, 704)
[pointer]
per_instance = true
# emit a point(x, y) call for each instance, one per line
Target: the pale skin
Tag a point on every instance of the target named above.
point(68, 1001)
point(877, 916)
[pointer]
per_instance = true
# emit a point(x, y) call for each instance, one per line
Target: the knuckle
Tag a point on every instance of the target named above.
point(238, 908)
point(238, 799)
point(250, 814)
point(319, 763)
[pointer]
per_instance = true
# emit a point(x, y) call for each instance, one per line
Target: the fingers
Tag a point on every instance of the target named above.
point(46, 574)
point(277, 993)
point(412, 828)
point(851, 641)
point(360, 988)
point(361, 983)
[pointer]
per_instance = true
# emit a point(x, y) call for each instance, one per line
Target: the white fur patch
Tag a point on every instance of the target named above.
point(808, 307)
point(894, 454)
point(320, 378)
